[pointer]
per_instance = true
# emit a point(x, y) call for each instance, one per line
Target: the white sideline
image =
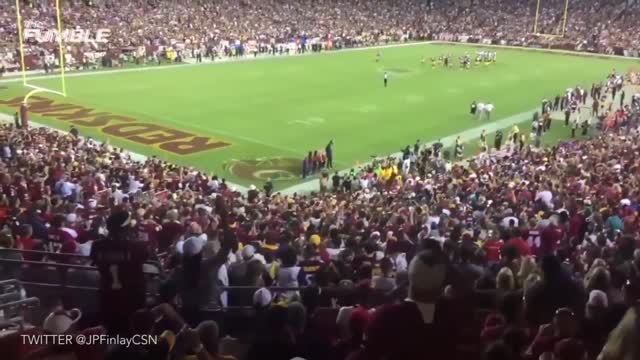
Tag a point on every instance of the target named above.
point(15, 77)
point(448, 141)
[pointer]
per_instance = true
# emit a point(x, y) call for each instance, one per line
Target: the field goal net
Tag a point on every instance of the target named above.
point(551, 18)
point(41, 47)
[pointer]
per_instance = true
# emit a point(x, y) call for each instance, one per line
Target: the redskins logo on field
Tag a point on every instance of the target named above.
point(276, 169)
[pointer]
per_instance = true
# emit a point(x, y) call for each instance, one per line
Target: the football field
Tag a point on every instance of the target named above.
point(250, 120)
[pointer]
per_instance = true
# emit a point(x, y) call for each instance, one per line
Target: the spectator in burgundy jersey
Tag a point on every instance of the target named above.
point(550, 239)
point(518, 242)
point(68, 247)
point(493, 247)
point(25, 240)
point(358, 323)
point(122, 282)
point(171, 231)
point(424, 326)
point(312, 265)
point(509, 318)
point(57, 233)
point(147, 231)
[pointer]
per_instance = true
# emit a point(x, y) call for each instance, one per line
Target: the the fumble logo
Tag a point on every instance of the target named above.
point(72, 36)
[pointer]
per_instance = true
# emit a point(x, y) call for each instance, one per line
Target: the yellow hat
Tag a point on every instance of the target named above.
point(315, 239)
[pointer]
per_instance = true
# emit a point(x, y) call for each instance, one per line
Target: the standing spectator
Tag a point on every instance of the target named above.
point(171, 231)
point(622, 342)
point(74, 131)
point(497, 143)
point(7, 270)
point(122, 283)
point(273, 338)
point(16, 120)
point(329, 153)
point(385, 281)
point(416, 328)
point(519, 243)
point(198, 279)
point(555, 291)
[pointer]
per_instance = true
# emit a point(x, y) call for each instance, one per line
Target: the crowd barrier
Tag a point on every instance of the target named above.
point(59, 279)
point(236, 320)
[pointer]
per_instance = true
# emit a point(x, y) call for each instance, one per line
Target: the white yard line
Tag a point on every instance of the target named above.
point(448, 141)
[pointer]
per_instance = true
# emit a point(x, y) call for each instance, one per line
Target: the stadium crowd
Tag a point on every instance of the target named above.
point(517, 255)
point(209, 28)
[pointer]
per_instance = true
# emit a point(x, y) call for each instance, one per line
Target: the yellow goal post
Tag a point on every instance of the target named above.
point(564, 21)
point(20, 22)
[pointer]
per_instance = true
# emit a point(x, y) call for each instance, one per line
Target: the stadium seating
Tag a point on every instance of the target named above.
point(212, 28)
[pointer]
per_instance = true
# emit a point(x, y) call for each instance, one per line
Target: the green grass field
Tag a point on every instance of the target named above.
point(255, 119)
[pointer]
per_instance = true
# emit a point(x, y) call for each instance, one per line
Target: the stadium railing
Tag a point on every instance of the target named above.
point(13, 304)
point(49, 254)
point(236, 321)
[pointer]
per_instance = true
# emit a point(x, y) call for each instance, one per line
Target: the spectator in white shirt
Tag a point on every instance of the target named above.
point(134, 185)
point(545, 196)
point(117, 194)
point(509, 221)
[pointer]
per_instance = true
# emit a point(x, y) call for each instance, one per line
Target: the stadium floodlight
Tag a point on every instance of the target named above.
point(559, 33)
point(20, 24)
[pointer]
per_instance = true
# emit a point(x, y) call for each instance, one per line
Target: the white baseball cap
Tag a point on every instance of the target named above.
point(193, 246)
point(262, 297)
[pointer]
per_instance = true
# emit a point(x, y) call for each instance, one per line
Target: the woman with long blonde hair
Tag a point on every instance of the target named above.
point(505, 280)
point(528, 266)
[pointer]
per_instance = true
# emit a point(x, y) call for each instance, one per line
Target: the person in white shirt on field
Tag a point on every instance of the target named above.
point(479, 110)
point(406, 166)
point(488, 108)
point(569, 94)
